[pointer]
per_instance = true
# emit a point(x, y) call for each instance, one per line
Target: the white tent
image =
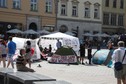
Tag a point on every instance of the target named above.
point(20, 42)
point(67, 40)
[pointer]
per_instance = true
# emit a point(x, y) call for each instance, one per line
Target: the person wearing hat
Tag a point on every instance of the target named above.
point(119, 56)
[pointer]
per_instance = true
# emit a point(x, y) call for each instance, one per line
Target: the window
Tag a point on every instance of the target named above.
point(107, 3)
point(120, 20)
point(87, 12)
point(48, 6)
point(16, 4)
point(63, 28)
point(3, 3)
point(113, 19)
point(106, 18)
point(96, 12)
point(86, 31)
point(34, 5)
point(121, 4)
point(74, 11)
point(63, 9)
point(114, 3)
point(95, 32)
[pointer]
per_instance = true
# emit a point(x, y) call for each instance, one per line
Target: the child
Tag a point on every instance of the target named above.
point(21, 62)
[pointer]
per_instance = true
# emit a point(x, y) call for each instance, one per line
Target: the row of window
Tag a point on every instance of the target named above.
point(107, 3)
point(33, 5)
point(113, 19)
point(87, 10)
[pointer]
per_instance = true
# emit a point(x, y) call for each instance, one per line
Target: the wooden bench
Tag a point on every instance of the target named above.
point(26, 78)
point(3, 74)
point(52, 82)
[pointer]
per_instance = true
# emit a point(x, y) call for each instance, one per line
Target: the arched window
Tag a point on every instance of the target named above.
point(63, 29)
point(33, 26)
point(96, 10)
point(87, 9)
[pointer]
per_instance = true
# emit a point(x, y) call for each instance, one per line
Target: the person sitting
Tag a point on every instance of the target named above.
point(45, 51)
point(21, 62)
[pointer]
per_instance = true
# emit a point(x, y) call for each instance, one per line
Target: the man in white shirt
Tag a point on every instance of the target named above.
point(118, 55)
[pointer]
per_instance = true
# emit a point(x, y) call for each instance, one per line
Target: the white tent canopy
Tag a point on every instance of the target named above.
point(70, 33)
point(66, 40)
point(57, 35)
point(20, 42)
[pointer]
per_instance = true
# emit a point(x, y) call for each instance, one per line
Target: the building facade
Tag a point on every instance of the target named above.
point(114, 16)
point(82, 16)
point(27, 14)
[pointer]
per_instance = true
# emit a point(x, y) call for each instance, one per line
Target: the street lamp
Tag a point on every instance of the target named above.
point(77, 30)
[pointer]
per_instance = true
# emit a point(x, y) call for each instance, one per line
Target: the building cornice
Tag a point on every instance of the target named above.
point(78, 20)
point(27, 14)
point(64, 1)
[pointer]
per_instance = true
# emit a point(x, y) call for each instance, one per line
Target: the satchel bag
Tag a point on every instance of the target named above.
point(118, 65)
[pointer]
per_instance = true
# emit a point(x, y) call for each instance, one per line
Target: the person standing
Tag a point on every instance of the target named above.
point(58, 44)
point(118, 55)
point(0, 50)
point(50, 48)
point(28, 52)
point(11, 47)
point(3, 52)
point(89, 51)
point(82, 53)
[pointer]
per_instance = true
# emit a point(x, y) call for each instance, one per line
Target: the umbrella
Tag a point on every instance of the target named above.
point(105, 35)
point(98, 35)
point(87, 34)
point(43, 32)
point(14, 31)
point(30, 32)
point(115, 36)
point(101, 35)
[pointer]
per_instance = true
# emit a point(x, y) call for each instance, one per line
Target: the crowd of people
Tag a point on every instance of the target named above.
point(7, 52)
point(8, 49)
point(119, 55)
point(48, 51)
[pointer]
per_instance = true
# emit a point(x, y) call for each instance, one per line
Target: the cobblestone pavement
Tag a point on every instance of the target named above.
point(76, 74)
